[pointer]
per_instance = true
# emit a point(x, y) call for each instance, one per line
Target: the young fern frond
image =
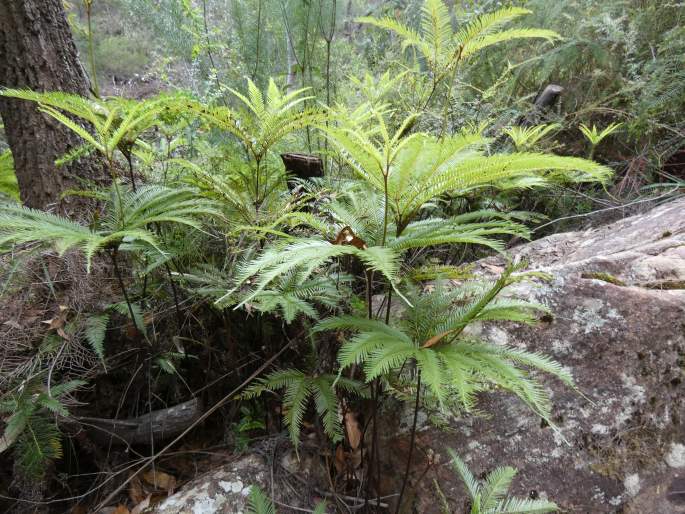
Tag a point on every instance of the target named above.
point(259, 503)
point(490, 495)
point(595, 136)
point(525, 138)
point(95, 330)
point(268, 119)
point(300, 389)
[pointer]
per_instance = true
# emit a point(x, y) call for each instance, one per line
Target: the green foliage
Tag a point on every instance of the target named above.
point(121, 55)
point(266, 119)
point(126, 226)
point(430, 334)
point(96, 328)
point(489, 496)
point(414, 170)
point(300, 388)
point(8, 181)
point(31, 426)
point(114, 123)
point(248, 422)
point(404, 186)
point(442, 48)
point(525, 138)
point(595, 136)
point(304, 257)
point(259, 503)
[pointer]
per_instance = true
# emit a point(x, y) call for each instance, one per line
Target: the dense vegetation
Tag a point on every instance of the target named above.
point(316, 296)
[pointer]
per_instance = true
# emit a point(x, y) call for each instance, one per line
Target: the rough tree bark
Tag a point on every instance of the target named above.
point(37, 52)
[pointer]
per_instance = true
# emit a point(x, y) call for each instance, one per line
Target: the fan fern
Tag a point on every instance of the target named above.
point(411, 171)
point(595, 136)
point(109, 124)
point(265, 119)
point(489, 496)
point(300, 388)
point(127, 221)
point(525, 138)
point(430, 334)
point(442, 48)
point(305, 256)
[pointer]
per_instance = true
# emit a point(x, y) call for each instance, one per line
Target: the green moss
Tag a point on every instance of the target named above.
point(604, 277)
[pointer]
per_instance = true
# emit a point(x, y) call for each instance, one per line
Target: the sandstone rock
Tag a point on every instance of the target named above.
point(224, 490)
point(618, 299)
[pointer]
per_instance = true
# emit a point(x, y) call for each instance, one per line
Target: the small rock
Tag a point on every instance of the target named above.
point(676, 456)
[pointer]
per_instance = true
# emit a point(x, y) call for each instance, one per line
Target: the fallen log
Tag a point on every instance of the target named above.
point(152, 427)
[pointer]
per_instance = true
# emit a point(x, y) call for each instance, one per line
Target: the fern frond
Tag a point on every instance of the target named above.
point(472, 485)
point(259, 503)
point(95, 329)
point(496, 486)
point(524, 506)
point(306, 256)
point(489, 497)
point(475, 46)
point(326, 404)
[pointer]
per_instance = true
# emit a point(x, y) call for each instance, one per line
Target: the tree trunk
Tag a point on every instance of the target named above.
point(37, 52)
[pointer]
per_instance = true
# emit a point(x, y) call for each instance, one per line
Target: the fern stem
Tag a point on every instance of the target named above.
point(369, 298)
point(53, 364)
point(174, 292)
point(411, 442)
point(385, 204)
point(117, 273)
point(129, 158)
point(372, 457)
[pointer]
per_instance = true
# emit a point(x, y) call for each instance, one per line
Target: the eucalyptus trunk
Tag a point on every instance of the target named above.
point(38, 53)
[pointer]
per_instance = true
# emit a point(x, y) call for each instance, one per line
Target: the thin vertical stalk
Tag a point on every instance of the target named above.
point(117, 273)
point(385, 205)
point(411, 443)
point(256, 187)
point(175, 294)
point(129, 158)
point(91, 51)
point(259, 28)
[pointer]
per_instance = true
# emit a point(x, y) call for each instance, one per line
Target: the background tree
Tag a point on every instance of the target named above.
point(38, 53)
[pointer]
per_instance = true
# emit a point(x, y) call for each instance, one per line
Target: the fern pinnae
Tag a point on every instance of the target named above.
point(496, 485)
point(95, 329)
point(472, 485)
